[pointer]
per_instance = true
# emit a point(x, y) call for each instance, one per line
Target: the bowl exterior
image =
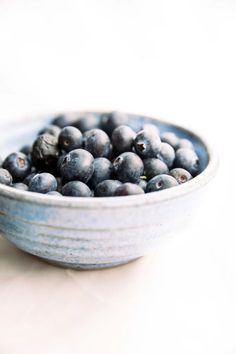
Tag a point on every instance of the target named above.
point(95, 237)
point(96, 232)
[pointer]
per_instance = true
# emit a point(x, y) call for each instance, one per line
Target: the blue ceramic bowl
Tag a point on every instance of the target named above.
point(91, 233)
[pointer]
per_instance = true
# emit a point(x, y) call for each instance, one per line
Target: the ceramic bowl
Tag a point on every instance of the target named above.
point(91, 233)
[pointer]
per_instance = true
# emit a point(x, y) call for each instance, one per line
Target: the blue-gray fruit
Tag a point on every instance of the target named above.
point(43, 183)
point(76, 189)
point(154, 167)
point(147, 144)
point(181, 175)
point(70, 138)
point(123, 139)
point(187, 159)
point(18, 164)
point(21, 186)
point(128, 167)
point(128, 189)
point(45, 153)
point(97, 142)
point(77, 165)
point(161, 182)
point(167, 154)
point(107, 188)
point(5, 177)
point(103, 169)
point(170, 138)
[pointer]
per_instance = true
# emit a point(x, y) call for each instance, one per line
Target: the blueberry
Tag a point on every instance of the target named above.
point(128, 167)
point(26, 149)
point(110, 121)
point(142, 184)
point(18, 165)
point(123, 139)
point(151, 127)
point(87, 122)
point(188, 160)
point(97, 142)
point(107, 188)
point(5, 177)
point(103, 169)
point(167, 154)
point(45, 153)
point(70, 138)
point(28, 178)
point(170, 138)
point(76, 189)
point(21, 186)
point(180, 175)
point(77, 165)
point(52, 130)
point(147, 144)
point(62, 120)
point(185, 143)
point(154, 167)
point(161, 182)
point(54, 193)
point(128, 189)
point(43, 183)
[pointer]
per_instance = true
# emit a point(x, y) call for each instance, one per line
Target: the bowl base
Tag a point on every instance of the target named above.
point(78, 266)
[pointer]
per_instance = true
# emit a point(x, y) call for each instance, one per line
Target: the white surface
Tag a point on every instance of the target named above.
point(175, 59)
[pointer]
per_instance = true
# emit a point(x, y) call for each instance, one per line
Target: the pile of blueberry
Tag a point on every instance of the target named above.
point(91, 157)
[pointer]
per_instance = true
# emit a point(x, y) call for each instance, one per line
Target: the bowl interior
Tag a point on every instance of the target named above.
point(23, 131)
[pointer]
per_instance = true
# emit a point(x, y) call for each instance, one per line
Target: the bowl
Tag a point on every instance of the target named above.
point(92, 233)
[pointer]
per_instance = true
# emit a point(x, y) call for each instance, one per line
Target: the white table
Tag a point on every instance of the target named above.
point(167, 58)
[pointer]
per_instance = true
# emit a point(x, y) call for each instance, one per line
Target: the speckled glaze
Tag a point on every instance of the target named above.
point(92, 233)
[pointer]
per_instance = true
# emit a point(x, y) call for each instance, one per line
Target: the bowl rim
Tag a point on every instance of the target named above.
point(125, 201)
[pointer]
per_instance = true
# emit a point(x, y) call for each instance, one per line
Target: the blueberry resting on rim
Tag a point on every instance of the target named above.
point(181, 175)
point(5, 177)
point(154, 167)
point(21, 186)
point(170, 138)
point(110, 121)
point(77, 165)
point(128, 189)
point(76, 189)
point(52, 130)
point(167, 154)
point(147, 144)
point(107, 188)
point(43, 183)
point(103, 169)
point(187, 159)
point(123, 139)
point(70, 138)
point(128, 167)
point(18, 164)
point(45, 153)
point(161, 182)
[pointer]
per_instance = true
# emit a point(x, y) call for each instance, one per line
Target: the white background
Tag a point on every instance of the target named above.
point(173, 59)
